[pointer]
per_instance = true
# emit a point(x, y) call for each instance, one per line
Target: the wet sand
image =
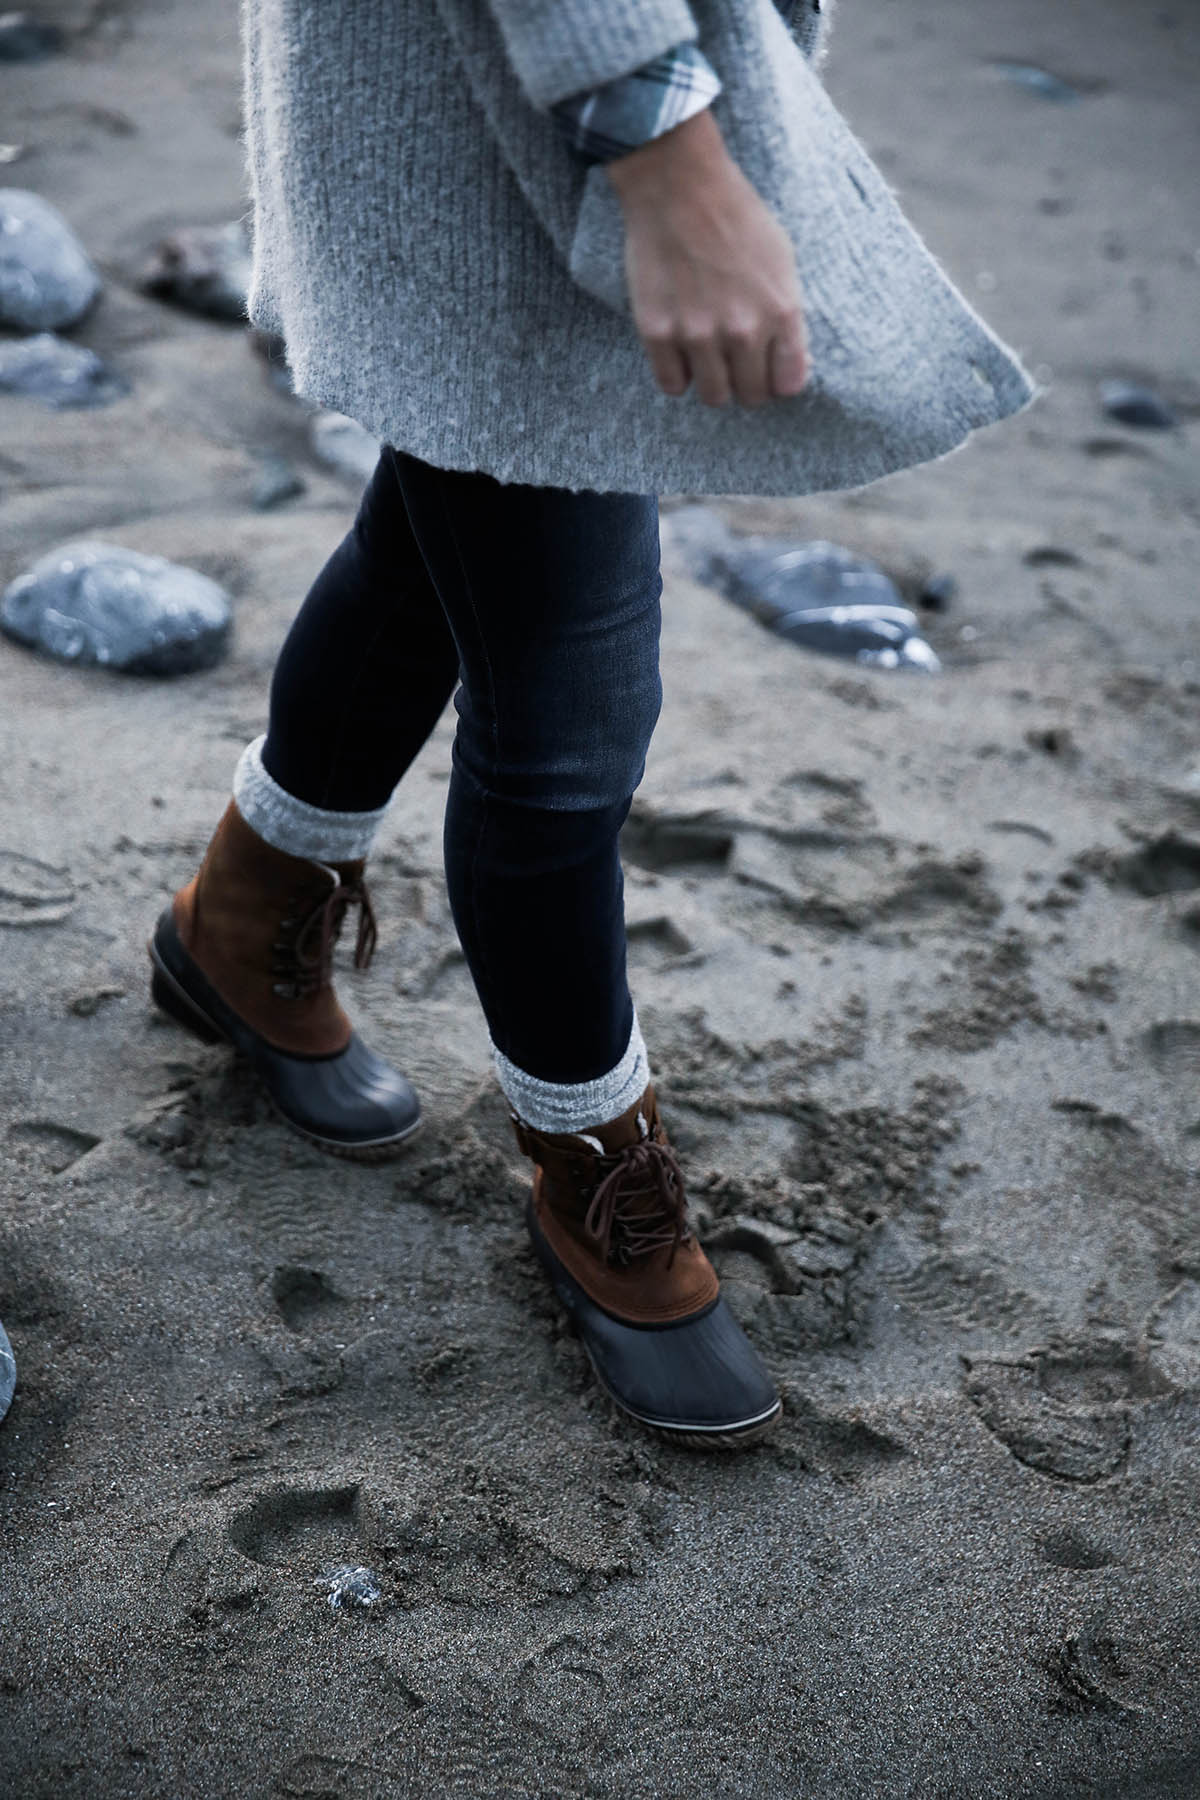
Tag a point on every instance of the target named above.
point(917, 959)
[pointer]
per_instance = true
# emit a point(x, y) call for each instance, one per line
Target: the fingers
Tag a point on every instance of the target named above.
point(710, 370)
point(668, 362)
point(790, 362)
point(749, 366)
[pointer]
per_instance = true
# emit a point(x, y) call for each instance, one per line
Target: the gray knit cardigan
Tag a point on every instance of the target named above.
point(447, 273)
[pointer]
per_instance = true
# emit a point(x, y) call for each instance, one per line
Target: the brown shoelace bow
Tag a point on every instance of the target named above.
point(306, 959)
point(639, 1205)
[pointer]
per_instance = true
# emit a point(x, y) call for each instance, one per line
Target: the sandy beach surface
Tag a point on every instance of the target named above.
point(917, 959)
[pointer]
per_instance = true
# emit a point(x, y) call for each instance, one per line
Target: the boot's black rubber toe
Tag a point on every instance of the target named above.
point(699, 1381)
point(353, 1104)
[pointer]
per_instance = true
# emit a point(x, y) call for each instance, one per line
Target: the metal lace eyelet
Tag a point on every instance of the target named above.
point(286, 990)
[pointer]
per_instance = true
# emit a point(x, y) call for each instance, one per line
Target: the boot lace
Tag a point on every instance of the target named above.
point(639, 1205)
point(304, 958)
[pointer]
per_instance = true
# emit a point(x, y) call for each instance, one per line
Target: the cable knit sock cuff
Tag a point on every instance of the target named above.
point(292, 825)
point(579, 1105)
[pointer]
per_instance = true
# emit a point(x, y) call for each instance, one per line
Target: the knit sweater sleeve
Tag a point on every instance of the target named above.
point(605, 122)
point(562, 47)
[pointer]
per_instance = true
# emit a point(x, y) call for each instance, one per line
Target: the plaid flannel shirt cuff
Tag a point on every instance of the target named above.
point(606, 122)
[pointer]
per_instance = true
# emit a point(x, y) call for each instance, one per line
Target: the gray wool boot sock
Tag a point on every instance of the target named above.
point(578, 1105)
point(292, 825)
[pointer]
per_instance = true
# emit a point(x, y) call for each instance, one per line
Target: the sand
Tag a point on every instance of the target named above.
point(917, 960)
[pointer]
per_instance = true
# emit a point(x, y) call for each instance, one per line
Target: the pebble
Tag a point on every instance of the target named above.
point(1134, 405)
point(1039, 81)
point(87, 1003)
point(277, 481)
point(51, 369)
point(343, 444)
point(90, 602)
point(23, 39)
point(350, 1586)
point(937, 593)
point(46, 277)
point(273, 350)
point(8, 1373)
point(204, 268)
point(885, 637)
point(816, 594)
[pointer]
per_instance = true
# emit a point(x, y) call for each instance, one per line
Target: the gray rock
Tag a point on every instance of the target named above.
point(937, 593)
point(51, 369)
point(273, 350)
point(1039, 81)
point(344, 445)
point(1134, 405)
point(277, 481)
point(816, 594)
point(91, 602)
point(46, 278)
point(8, 1373)
point(351, 1587)
point(23, 39)
point(203, 268)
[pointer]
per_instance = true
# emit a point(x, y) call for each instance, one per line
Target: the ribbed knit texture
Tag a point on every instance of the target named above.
point(577, 1105)
point(445, 271)
point(293, 825)
point(555, 49)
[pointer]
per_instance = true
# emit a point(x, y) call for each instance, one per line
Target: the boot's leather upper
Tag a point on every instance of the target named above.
point(611, 1204)
point(262, 925)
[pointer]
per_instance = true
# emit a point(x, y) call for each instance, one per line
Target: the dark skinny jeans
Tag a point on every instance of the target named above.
point(541, 607)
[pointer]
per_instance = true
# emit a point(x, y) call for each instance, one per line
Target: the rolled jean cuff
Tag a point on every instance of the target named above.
point(578, 1105)
point(293, 825)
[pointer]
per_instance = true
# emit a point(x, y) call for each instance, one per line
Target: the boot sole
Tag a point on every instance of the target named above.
point(178, 1004)
point(577, 1303)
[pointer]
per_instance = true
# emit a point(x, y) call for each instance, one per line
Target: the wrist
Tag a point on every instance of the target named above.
point(689, 151)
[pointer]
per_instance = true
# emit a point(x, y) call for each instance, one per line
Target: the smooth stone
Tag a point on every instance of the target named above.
point(351, 1587)
point(23, 39)
point(344, 445)
point(1039, 81)
point(8, 1373)
point(937, 593)
point(51, 369)
point(817, 594)
point(884, 636)
point(277, 481)
point(1134, 405)
point(203, 268)
point(95, 603)
point(46, 277)
point(273, 350)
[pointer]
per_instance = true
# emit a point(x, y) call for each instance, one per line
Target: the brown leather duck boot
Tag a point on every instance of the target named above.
point(244, 954)
point(608, 1219)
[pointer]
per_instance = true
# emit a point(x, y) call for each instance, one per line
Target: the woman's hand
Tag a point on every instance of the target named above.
point(711, 272)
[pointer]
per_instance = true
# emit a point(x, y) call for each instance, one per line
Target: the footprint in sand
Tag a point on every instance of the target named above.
point(659, 943)
point(1173, 1045)
point(1065, 1410)
point(796, 1289)
point(1090, 1672)
point(55, 1147)
point(304, 1297)
point(301, 1528)
point(1168, 865)
point(1068, 1548)
point(1173, 1333)
point(33, 892)
point(846, 1447)
point(677, 841)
